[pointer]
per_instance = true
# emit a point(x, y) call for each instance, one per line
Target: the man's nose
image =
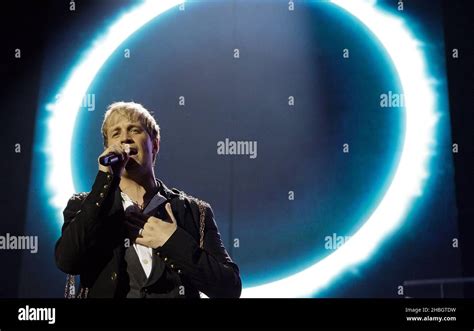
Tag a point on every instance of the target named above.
point(126, 138)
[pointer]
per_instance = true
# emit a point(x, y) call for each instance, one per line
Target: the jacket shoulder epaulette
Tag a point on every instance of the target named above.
point(79, 196)
point(183, 196)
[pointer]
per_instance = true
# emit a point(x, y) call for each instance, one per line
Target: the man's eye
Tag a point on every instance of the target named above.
point(136, 130)
point(114, 134)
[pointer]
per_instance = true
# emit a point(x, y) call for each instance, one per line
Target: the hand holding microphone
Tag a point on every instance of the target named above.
point(115, 158)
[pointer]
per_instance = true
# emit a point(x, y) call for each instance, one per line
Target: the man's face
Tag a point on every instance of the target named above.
point(122, 130)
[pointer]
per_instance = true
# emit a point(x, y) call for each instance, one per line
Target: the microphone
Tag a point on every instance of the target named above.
point(113, 158)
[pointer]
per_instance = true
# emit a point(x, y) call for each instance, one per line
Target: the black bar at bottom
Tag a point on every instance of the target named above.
point(222, 313)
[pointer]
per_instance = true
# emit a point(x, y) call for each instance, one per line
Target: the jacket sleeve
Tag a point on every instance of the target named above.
point(210, 270)
point(84, 222)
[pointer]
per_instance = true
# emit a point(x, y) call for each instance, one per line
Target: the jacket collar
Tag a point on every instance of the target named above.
point(167, 193)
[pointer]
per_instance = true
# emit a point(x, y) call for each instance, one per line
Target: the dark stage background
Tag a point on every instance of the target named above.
point(290, 90)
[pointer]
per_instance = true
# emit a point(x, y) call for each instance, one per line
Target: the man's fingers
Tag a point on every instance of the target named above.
point(117, 149)
point(141, 241)
point(149, 227)
point(145, 238)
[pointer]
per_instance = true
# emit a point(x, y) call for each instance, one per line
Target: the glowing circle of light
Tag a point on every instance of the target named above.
point(407, 181)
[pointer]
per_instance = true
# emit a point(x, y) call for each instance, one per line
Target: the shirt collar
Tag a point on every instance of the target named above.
point(156, 201)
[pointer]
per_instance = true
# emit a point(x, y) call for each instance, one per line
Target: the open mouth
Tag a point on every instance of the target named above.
point(133, 151)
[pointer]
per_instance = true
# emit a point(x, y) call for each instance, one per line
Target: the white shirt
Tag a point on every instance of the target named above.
point(144, 253)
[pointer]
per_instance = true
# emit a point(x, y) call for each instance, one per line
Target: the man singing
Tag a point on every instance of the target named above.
point(131, 236)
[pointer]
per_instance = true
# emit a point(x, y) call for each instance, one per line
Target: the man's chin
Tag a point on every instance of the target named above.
point(132, 165)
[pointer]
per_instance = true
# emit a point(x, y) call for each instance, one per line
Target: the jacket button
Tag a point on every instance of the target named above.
point(172, 266)
point(102, 194)
point(108, 177)
point(165, 259)
point(179, 271)
point(114, 276)
point(97, 204)
point(105, 186)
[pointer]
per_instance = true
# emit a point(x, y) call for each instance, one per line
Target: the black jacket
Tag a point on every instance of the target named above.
point(93, 241)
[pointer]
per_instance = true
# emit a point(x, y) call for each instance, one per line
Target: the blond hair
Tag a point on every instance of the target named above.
point(134, 112)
